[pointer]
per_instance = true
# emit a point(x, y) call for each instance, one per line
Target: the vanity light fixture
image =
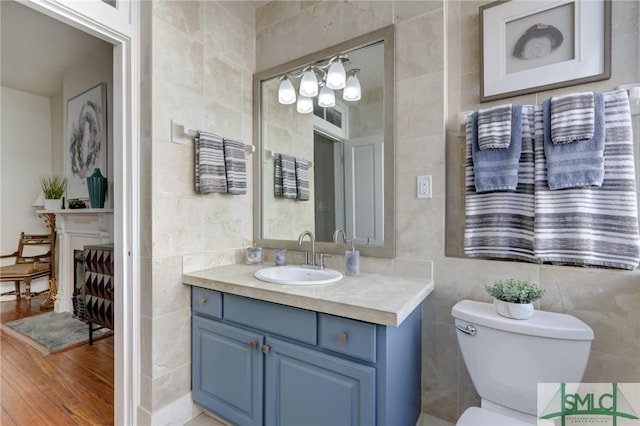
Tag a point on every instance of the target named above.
point(286, 93)
point(326, 98)
point(304, 105)
point(352, 91)
point(320, 79)
point(309, 83)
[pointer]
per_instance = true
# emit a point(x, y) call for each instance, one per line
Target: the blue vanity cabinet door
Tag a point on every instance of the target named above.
point(309, 387)
point(228, 371)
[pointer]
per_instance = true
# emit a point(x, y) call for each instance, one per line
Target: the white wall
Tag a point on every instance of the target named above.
point(25, 153)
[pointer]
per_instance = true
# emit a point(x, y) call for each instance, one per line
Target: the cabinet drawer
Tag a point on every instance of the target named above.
point(207, 302)
point(286, 321)
point(348, 337)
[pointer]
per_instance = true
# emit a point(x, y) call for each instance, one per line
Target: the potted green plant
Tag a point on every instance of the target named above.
point(514, 298)
point(53, 188)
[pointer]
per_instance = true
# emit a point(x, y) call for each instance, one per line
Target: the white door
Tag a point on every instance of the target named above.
point(364, 202)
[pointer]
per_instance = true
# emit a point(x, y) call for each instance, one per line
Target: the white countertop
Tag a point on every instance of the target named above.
point(373, 298)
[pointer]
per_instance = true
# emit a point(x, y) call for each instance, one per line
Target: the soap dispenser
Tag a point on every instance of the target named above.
point(352, 261)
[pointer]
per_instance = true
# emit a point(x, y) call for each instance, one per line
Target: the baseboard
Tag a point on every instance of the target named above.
point(177, 413)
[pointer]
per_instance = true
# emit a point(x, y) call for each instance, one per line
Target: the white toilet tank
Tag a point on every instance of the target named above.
point(507, 358)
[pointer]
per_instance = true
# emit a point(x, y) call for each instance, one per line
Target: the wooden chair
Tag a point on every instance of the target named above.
point(28, 266)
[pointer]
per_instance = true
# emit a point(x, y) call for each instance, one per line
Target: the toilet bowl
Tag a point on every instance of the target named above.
point(507, 358)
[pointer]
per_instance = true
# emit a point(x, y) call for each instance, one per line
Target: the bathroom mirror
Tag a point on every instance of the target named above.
point(349, 147)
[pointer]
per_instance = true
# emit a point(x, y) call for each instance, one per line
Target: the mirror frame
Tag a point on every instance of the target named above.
point(385, 35)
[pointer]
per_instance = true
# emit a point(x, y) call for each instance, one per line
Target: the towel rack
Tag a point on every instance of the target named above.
point(269, 153)
point(182, 135)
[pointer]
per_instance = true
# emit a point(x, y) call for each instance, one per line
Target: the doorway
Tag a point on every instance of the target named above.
point(117, 24)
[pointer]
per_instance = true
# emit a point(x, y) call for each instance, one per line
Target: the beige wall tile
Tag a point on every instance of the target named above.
point(176, 57)
point(169, 353)
point(174, 384)
point(169, 294)
point(419, 49)
point(185, 16)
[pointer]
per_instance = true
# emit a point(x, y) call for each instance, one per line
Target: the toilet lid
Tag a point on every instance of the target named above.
point(475, 416)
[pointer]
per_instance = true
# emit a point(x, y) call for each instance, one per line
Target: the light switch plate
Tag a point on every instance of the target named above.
point(424, 186)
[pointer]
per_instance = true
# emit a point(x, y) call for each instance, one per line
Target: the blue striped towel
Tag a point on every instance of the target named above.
point(210, 174)
point(497, 169)
point(494, 127)
point(236, 166)
point(576, 164)
point(592, 226)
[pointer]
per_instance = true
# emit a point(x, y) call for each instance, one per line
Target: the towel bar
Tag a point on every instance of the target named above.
point(269, 153)
point(182, 135)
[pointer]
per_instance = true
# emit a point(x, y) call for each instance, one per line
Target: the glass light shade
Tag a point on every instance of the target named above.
point(309, 84)
point(352, 91)
point(336, 76)
point(286, 92)
point(305, 105)
point(326, 98)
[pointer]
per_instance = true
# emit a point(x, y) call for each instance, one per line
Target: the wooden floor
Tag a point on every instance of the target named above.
point(73, 387)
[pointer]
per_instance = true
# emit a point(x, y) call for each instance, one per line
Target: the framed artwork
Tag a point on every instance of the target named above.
point(86, 145)
point(528, 46)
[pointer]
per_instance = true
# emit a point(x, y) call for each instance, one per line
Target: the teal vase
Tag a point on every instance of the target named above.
point(97, 186)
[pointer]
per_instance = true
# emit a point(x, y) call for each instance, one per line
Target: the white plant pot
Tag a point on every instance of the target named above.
point(518, 311)
point(52, 204)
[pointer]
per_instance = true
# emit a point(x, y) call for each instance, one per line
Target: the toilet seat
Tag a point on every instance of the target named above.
point(476, 416)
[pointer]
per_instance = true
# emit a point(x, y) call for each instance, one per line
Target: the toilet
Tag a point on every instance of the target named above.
point(507, 358)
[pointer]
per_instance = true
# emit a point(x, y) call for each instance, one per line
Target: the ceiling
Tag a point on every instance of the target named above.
point(36, 50)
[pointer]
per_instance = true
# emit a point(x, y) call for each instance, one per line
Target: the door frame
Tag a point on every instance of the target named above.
point(118, 26)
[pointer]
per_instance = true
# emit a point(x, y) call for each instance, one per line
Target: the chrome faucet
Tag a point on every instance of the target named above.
point(306, 263)
point(337, 234)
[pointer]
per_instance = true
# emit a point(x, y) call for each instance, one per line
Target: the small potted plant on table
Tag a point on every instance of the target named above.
point(514, 298)
point(53, 189)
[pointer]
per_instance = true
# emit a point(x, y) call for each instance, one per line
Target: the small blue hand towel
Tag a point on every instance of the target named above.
point(497, 169)
point(580, 163)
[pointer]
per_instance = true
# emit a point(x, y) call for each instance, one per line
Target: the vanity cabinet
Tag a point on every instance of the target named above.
point(262, 363)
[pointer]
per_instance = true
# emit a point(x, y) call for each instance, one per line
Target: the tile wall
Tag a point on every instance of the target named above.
point(198, 60)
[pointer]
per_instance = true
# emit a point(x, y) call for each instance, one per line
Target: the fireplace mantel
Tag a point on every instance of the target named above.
point(76, 228)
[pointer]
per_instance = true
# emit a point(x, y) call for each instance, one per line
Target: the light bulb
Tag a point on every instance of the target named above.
point(286, 92)
point(305, 104)
point(309, 84)
point(352, 91)
point(326, 98)
point(336, 76)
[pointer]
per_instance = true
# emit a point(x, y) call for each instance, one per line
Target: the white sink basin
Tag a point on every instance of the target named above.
point(296, 275)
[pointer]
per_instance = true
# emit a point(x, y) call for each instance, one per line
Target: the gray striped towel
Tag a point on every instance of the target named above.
point(210, 171)
point(500, 225)
point(289, 189)
point(592, 226)
point(278, 191)
point(497, 169)
point(302, 179)
point(236, 166)
point(572, 117)
point(494, 127)
point(581, 163)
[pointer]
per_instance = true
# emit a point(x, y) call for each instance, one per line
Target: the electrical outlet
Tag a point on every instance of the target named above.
point(424, 186)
